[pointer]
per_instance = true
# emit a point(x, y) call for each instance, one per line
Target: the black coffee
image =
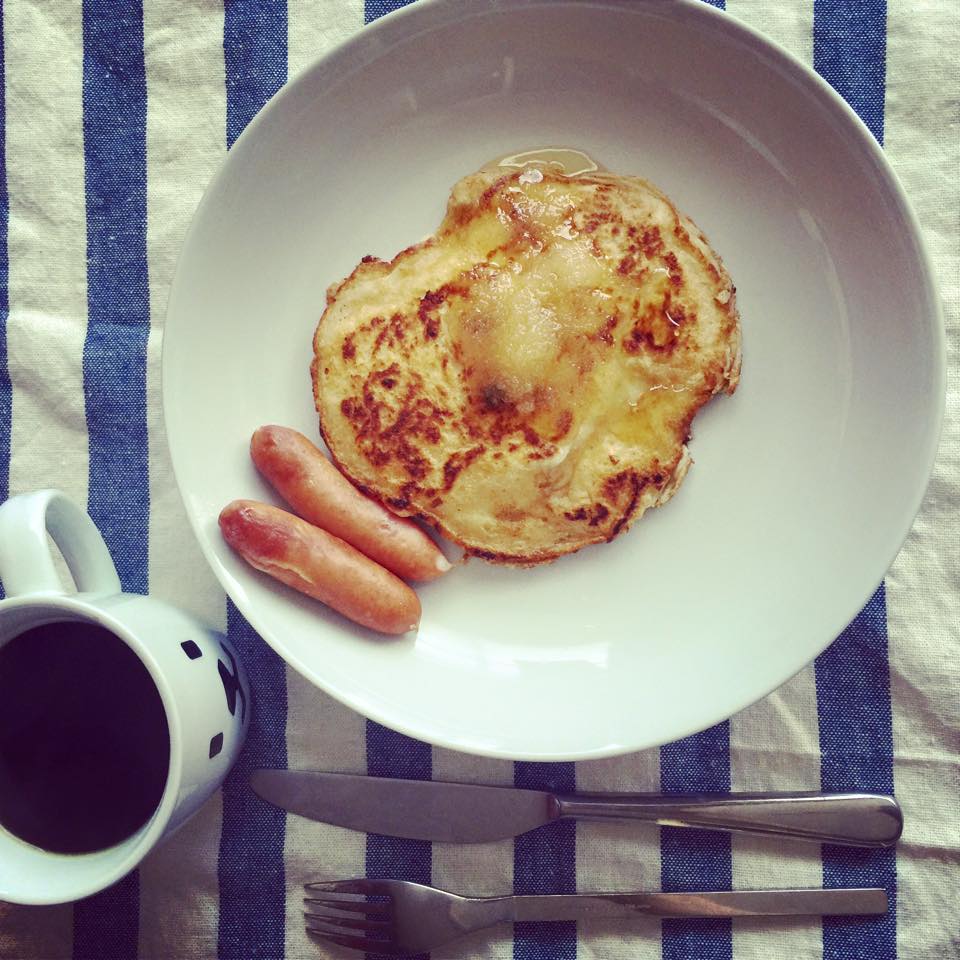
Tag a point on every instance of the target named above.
point(84, 745)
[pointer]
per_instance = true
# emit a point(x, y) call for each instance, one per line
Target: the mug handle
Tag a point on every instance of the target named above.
point(26, 562)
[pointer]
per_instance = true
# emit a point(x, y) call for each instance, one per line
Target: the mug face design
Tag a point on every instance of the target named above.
point(233, 688)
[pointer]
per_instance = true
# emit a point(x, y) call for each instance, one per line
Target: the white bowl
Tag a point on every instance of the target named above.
point(805, 482)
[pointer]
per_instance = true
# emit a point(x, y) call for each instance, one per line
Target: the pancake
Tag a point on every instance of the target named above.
point(525, 379)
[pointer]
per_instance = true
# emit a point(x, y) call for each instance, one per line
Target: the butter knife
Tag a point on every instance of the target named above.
point(473, 813)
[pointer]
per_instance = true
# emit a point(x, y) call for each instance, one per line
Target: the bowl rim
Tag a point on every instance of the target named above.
point(423, 17)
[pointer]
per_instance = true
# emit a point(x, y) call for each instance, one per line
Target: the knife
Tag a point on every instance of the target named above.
point(471, 813)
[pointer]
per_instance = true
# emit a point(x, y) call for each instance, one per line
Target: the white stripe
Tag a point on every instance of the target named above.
point(789, 24)
point(186, 110)
point(923, 587)
point(47, 246)
point(619, 856)
point(42, 932)
point(322, 734)
point(186, 140)
point(48, 306)
point(314, 28)
point(775, 745)
point(476, 869)
point(179, 889)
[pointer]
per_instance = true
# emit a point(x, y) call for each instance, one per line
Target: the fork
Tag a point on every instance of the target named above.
point(397, 917)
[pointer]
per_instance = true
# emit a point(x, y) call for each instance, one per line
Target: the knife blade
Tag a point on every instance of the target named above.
point(475, 813)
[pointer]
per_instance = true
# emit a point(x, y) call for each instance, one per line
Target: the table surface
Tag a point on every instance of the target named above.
point(115, 115)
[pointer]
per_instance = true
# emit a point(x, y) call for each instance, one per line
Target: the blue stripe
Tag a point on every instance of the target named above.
point(696, 859)
point(118, 304)
point(251, 868)
point(545, 861)
point(852, 675)
point(391, 754)
point(6, 395)
point(254, 57)
point(856, 746)
point(105, 927)
point(850, 52)
point(378, 8)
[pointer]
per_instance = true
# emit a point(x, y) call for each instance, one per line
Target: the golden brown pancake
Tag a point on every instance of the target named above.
point(525, 379)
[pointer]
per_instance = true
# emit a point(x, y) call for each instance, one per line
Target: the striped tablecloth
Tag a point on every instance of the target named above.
point(115, 114)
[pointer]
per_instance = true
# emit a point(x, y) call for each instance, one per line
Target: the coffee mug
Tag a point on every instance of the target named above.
point(169, 700)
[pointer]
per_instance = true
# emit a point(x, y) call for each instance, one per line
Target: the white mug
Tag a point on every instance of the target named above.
point(202, 687)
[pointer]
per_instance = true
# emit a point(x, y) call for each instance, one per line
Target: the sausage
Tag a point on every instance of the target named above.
point(320, 493)
point(320, 565)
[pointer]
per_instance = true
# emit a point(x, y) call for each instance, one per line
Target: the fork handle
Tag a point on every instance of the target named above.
point(855, 819)
point(865, 901)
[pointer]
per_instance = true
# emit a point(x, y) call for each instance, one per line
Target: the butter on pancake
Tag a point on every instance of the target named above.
point(526, 378)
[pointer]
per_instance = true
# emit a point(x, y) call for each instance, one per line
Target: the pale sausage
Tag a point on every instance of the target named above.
point(320, 493)
point(320, 565)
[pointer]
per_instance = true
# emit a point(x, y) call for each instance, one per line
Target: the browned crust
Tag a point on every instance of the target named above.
point(657, 481)
point(501, 424)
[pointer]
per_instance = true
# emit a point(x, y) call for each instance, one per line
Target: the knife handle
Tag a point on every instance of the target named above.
point(853, 819)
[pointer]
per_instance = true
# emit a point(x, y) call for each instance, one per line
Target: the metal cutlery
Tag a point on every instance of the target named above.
point(470, 813)
point(396, 917)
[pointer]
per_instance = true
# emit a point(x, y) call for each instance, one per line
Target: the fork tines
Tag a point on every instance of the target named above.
point(344, 913)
